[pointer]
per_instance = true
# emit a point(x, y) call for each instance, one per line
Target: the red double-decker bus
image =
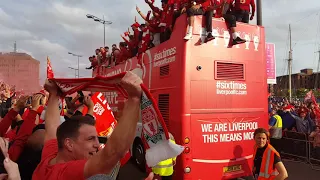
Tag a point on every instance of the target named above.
point(211, 96)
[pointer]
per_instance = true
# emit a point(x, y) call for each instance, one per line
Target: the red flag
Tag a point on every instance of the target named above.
point(308, 96)
point(105, 121)
point(49, 69)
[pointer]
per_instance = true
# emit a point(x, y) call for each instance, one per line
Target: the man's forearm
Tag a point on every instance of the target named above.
point(52, 117)
point(119, 142)
point(123, 135)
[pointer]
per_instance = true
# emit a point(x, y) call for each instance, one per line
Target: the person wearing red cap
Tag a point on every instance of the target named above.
point(303, 122)
point(200, 7)
point(136, 34)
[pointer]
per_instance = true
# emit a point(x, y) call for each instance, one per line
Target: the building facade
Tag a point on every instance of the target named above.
point(306, 79)
point(21, 70)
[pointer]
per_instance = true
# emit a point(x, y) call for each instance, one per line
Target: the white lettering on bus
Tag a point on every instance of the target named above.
point(164, 61)
point(165, 57)
point(228, 132)
point(231, 88)
point(165, 53)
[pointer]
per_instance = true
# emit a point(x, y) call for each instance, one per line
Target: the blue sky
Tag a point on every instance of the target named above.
point(54, 27)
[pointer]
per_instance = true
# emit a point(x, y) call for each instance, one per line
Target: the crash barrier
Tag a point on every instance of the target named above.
point(299, 147)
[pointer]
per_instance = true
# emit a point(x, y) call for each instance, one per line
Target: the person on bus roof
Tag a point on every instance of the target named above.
point(200, 7)
point(242, 10)
point(165, 18)
point(267, 162)
point(224, 11)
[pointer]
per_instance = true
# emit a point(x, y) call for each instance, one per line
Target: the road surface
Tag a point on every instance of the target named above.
point(296, 170)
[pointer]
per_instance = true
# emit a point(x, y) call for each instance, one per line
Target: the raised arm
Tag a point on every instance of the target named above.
point(12, 114)
point(52, 117)
point(155, 9)
point(123, 135)
point(144, 17)
point(26, 129)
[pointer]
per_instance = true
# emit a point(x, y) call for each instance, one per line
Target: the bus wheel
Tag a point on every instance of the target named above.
point(138, 154)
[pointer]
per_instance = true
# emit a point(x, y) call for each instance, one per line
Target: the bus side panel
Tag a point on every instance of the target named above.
point(222, 144)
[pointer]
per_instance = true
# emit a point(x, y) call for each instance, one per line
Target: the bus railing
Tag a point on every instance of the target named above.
point(299, 147)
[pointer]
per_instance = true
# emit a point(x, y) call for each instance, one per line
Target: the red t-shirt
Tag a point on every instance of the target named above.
point(69, 170)
point(244, 5)
point(219, 10)
point(26, 112)
point(11, 134)
point(94, 62)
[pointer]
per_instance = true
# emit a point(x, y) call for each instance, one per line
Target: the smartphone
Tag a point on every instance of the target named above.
point(81, 98)
point(29, 100)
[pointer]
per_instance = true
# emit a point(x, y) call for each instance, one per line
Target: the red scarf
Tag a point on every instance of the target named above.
point(155, 133)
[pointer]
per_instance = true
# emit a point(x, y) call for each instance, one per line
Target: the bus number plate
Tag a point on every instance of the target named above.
point(231, 168)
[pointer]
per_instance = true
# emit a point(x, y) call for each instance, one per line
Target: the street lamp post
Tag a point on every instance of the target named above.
point(75, 71)
point(78, 61)
point(104, 22)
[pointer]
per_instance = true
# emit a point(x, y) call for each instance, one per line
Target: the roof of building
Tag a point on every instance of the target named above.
point(19, 55)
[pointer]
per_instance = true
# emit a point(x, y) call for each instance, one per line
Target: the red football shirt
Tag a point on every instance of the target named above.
point(219, 10)
point(68, 170)
point(244, 5)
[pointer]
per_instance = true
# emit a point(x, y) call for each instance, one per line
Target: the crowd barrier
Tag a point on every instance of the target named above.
point(299, 146)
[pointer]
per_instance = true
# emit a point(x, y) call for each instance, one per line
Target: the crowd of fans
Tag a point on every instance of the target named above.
point(159, 24)
point(44, 147)
point(301, 116)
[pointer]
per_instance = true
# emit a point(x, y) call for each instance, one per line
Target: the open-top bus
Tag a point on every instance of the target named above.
point(211, 96)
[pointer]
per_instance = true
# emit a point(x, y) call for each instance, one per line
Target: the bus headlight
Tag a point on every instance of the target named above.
point(186, 150)
point(186, 140)
point(187, 170)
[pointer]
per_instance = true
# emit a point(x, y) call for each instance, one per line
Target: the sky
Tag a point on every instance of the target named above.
point(55, 27)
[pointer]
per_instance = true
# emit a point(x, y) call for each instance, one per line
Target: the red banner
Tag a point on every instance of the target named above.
point(50, 73)
point(105, 121)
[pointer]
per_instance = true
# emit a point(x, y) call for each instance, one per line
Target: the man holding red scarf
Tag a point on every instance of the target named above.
point(200, 7)
point(242, 10)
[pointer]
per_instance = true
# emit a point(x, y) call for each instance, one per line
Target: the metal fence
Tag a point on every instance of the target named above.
point(299, 147)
